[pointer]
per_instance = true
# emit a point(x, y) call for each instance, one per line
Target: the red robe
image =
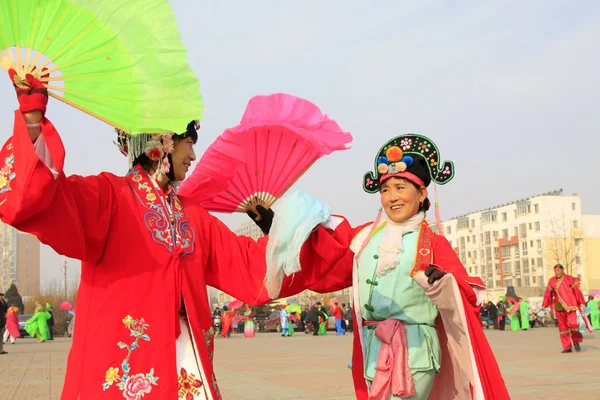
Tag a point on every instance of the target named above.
point(327, 260)
point(564, 291)
point(134, 274)
point(12, 324)
point(227, 319)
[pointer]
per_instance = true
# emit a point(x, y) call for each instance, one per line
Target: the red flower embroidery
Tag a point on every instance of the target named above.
point(136, 386)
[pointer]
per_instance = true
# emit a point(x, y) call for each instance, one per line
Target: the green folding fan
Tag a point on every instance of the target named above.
point(120, 61)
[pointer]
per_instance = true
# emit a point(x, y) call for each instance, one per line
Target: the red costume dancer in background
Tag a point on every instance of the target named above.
point(12, 325)
point(227, 321)
point(564, 294)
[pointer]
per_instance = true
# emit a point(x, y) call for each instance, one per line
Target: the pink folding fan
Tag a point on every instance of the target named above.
point(255, 163)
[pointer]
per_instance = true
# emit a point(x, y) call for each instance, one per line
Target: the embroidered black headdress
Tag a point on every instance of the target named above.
point(411, 156)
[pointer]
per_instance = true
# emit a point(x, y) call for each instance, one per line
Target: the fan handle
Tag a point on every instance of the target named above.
point(267, 200)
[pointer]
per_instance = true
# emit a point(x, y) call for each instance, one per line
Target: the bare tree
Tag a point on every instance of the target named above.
point(561, 248)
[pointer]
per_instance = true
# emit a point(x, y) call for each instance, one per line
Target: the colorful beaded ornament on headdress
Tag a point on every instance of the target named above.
point(156, 146)
point(400, 154)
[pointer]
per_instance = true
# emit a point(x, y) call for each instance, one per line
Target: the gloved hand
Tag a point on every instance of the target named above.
point(266, 218)
point(434, 273)
point(32, 98)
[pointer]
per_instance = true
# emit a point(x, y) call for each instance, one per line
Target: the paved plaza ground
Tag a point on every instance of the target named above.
point(305, 367)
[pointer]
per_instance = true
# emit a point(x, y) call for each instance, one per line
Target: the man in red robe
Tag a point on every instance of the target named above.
point(135, 238)
point(564, 295)
point(227, 320)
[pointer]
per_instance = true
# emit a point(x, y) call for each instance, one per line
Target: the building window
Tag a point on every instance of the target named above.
point(540, 262)
point(498, 283)
point(468, 239)
point(507, 268)
point(532, 262)
point(524, 248)
point(531, 243)
point(489, 217)
point(517, 265)
point(527, 281)
point(525, 266)
point(462, 224)
point(472, 223)
point(508, 282)
point(523, 209)
point(575, 224)
point(448, 230)
point(533, 279)
point(496, 252)
point(516, 250)
point(573, 206)
point(505, 252)
point(578, 260)
point(504, 217)
point(537, 208)
point(474, 239)
point(516, 231)
point(523, 230)
point(505, 233)
point(497, 267)
point(488, 254)
point(539, 243)
point(488, 239)
point(530, 226)
point(495, 235)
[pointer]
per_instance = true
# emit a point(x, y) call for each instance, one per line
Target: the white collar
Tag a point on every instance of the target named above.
point(391, 243)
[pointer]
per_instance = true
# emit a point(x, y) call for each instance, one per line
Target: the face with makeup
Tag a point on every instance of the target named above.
point(401, 199)
point(182, 157)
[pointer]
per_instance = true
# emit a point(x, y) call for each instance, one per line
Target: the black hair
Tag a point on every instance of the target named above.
point(426, 204)
point(147, 163)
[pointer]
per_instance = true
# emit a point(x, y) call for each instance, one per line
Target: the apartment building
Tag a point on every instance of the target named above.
point(19, 261)
point(518, 243)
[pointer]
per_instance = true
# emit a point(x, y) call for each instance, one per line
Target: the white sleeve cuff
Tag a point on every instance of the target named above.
point(44, 154)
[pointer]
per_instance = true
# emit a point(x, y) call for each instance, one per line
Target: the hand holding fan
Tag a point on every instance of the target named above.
point(280, 137)
point(119, 61)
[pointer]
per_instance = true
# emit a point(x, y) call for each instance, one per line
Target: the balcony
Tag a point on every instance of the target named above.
point(502, 242)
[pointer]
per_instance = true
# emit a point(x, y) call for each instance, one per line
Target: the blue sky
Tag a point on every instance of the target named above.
point(508, 90)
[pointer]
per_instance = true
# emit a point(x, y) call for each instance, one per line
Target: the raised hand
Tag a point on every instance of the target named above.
point(266, 218)
point(31, 93)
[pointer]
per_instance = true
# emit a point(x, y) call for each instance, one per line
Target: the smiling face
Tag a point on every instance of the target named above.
point(182, 157)
point(400, 199)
